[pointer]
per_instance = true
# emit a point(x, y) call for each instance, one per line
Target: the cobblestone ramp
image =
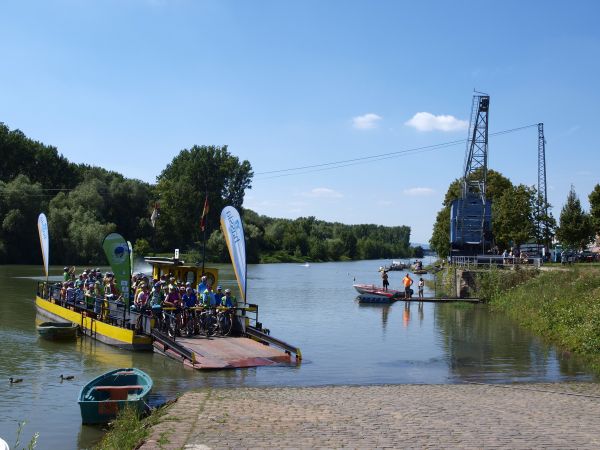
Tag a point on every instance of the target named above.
point(403, 416)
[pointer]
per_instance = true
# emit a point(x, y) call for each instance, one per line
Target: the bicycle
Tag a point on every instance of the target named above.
point(207, 322)
point(225, 320)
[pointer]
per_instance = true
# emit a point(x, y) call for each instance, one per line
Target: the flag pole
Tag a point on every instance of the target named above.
point(203, 223)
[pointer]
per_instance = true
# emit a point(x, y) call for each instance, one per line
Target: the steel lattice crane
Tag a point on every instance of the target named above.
point(542, 200)
point(470, 228)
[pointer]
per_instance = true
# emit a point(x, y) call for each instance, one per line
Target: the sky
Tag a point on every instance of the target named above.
point(128, 84)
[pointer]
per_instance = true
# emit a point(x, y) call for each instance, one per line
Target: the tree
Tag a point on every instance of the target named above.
point(183, 184)
point(512, 216)
point(576, 229)
point(545, 222)
point(594, 198)
point(20, 204)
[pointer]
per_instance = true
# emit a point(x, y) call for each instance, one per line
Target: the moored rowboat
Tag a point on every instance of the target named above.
point(57, 330)
point(102, 398)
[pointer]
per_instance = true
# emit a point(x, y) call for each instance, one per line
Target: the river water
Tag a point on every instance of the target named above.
point(312, 307)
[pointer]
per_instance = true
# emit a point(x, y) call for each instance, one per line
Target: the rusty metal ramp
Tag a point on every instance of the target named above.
point(219, 352)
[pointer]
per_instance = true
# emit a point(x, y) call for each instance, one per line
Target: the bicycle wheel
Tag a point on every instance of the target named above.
point(172, 326)
point(211, 325)
point(225, 324)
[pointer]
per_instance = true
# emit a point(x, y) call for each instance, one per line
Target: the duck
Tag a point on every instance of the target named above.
point(15, 380)
point(68, 377)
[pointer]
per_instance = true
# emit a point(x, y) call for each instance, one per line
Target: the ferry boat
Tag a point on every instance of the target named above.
point(109, 321)
point(115, 323)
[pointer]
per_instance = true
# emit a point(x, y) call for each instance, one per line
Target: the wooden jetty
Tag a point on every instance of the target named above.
point(375, 299)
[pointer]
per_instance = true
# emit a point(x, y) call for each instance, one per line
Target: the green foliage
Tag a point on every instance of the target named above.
point(560, 305)
point(93, 202)
point(594, 198)
point(418, 252)
point(20, 204)
point(493, 282)
point(576, 228)
point(182, 187)
point(512, 216)
point(307, 238)
point(141, 247)
point(128, 430)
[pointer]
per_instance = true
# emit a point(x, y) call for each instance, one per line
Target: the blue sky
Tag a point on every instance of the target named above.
point(127, 84)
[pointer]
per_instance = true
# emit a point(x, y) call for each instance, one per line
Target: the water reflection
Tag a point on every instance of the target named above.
point(314, 308)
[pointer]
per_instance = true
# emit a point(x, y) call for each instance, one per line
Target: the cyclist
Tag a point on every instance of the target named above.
point(219, 294)
point(208, 298)
point(189, 298)
point(203, 285)
point(228, 300)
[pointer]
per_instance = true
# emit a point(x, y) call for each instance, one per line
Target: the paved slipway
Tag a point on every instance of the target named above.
point(561, 415)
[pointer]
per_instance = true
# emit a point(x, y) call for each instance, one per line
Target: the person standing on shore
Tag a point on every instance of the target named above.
point(407, 281)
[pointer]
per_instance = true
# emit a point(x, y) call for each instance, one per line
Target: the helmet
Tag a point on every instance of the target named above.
point(227, 291)
point(219, 287)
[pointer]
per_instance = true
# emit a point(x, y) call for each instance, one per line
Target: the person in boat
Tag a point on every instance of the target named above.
point(407, 281)
point(157, 296)
point(219, 293)
point(190, 299)
point(418, 265)
point(421, 287)
point(208, 298)
point(384, 278)
point(141, 299)
point(172, 300)
point(202, 285)
point(228, 300)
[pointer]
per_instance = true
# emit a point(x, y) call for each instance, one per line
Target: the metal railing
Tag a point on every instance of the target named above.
point(497, 261)
point(114, 312)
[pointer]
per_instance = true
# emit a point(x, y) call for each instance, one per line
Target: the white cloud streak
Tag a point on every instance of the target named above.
point(366, 122)
point(424, 121)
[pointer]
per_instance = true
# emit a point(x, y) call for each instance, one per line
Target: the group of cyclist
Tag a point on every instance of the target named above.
point(94, 290)
point(176, 294)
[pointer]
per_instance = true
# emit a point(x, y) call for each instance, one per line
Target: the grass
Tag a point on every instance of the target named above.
point(561, 306)
point(128, 430)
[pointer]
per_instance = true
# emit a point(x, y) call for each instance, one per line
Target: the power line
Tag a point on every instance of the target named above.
point(301, 170)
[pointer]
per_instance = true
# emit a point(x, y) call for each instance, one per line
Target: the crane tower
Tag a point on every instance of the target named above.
point(542, 200)
point(470, 216)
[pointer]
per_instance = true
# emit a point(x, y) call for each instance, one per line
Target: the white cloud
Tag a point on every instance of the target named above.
point(424, 121)
point(366, 122)
point(419, 191)
point(322, 193)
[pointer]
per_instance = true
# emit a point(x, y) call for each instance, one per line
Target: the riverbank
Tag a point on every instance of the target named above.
point(394, 416)
point(561, 306)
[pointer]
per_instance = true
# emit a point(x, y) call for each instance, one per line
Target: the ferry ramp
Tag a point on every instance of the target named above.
point(226, 352)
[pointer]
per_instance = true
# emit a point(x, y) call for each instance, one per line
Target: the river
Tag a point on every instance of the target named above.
point(312, 307)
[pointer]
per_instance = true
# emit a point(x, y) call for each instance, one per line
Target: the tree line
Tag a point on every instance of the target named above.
point(519, 216)
point(83, 203)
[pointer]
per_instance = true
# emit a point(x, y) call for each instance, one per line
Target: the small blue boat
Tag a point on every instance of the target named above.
point(102, 398)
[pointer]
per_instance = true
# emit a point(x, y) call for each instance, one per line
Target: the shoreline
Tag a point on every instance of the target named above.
point(562, 415)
